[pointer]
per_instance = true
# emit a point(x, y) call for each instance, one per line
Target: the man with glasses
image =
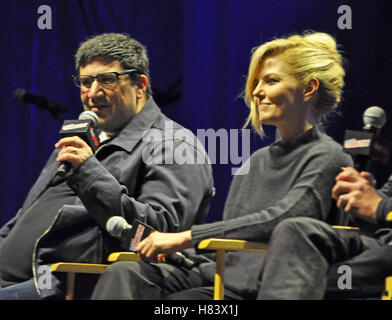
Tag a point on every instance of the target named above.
point(64, 218)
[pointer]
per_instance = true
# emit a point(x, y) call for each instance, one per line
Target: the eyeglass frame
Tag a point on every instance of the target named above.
point(118, 74)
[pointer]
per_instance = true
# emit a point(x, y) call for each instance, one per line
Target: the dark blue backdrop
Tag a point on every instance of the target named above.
point(199, 52)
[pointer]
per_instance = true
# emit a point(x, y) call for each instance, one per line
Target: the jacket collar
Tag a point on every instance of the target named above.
point(133, 132)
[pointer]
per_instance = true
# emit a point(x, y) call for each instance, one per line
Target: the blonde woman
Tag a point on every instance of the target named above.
point(292, 82)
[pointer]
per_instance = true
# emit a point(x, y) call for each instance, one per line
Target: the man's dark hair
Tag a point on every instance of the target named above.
point(115, 47)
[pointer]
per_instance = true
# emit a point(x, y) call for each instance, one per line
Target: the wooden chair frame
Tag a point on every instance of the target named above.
point(387, 295)
point(220, 245)
point(72, 268)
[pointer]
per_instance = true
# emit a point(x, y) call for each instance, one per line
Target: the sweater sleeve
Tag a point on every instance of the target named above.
point(310, 196)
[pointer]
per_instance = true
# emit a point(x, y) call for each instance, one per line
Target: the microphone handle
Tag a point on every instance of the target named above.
point(362, 163)
point(64, 168)
point(178, 259)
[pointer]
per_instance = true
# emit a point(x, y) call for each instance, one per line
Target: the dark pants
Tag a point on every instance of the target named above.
point(143, 281)
point(308, 259)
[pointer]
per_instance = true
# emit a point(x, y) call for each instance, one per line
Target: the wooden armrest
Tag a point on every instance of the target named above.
point(124, 256)
point(78, 267)
point(221, 245)
point(387, 294)
point(345, 228)
point(72, 268)
point(243, 245)
point(232, 244)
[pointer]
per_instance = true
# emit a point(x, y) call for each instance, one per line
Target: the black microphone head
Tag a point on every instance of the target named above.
point(19, 94)
point(116, 225)
point(89, 115)
point(374, 117)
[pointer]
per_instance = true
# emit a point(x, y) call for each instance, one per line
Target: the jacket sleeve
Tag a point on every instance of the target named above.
point(172, 196)
point(5, 229)
point(384, 209)
point(384, 212)
point(386, 190)
point(39, 185)
point(310, 196)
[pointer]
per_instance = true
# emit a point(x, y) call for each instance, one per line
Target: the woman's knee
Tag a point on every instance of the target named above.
point(122, 268)
point(295, 224)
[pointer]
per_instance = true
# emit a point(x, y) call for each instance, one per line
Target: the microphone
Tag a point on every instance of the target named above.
point(117, 226)
point(366, 146)
point(132, 235)
point(41, 102)
point(374, 118)
point(84, 128)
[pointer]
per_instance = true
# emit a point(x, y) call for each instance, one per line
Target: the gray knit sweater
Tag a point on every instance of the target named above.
point(285, 179)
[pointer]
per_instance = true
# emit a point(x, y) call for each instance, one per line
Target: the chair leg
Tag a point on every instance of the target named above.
point(70, 286)
point(219, 275)
point(387, 294)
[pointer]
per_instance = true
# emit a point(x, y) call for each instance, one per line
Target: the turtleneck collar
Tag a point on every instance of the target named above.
point(280, 147)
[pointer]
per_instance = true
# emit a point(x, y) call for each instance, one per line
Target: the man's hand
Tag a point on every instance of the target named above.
point(74, 150)
point(158, 243)
point(355, 193)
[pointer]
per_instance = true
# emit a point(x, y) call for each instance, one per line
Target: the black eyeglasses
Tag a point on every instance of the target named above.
point(107, 79)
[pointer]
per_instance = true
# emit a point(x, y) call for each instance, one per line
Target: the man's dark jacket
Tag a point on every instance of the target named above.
point(147, 171)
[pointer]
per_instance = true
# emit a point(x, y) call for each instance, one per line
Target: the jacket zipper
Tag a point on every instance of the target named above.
point(47, 230)
point(35, 250)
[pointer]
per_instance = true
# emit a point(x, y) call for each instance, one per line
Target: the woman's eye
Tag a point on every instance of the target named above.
point(271, 80)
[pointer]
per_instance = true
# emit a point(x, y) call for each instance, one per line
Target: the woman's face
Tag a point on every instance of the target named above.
point(278, 95)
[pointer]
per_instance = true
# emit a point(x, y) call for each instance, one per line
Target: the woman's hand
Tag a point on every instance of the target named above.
point(158, 243)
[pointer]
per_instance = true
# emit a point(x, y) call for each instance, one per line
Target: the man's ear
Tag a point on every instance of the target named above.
point(141, 86)
point(310, 89)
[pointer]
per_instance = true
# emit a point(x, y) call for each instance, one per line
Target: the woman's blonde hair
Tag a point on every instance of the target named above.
point(312, 55)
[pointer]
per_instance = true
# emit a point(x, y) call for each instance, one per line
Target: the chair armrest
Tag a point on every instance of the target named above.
point(345, 228)
point(232, 244)
point(71, 269)
point(243, 245)
point(221, 245)
point(387, 294)
point(78, 267)
point(124, 256)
